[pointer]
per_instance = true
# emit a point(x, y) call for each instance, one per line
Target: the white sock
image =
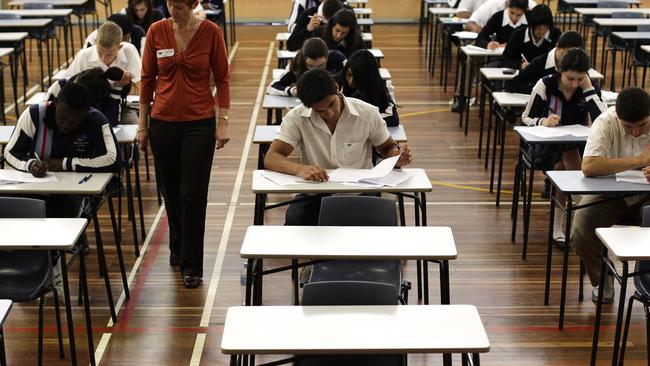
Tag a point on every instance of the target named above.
point(558, 227)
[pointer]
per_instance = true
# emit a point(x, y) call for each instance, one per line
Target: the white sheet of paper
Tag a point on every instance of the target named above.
point(476, 48)
point(357, 175)
point(558, 131)
point(632, 176)
point(392, 179)
point(23, 177)
point(117, 129)
point(282, 179)
point(466, 35)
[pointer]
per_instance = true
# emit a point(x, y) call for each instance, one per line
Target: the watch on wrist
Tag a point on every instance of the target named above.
point(225, 118)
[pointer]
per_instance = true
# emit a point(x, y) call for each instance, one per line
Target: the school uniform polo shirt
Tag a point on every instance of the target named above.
point(359, 128)
point(128, 59)
point(487, 9)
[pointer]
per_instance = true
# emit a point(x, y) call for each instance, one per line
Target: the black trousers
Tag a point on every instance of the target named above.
point(305, 211)
point(183, 152)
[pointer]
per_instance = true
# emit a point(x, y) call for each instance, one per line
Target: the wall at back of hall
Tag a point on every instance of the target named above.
point(278, 10)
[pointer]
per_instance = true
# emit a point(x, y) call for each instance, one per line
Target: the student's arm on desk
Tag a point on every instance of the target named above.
point(392, 148)
point(473, 27)
point(593, 166)
point(276, 160)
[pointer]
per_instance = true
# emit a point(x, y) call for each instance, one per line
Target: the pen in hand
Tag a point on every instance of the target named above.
point(86, 178)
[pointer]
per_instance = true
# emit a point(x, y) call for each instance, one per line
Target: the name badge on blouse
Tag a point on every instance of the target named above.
point(165, 53)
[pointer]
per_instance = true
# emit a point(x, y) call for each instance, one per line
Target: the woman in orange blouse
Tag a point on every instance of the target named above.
point(187, 121)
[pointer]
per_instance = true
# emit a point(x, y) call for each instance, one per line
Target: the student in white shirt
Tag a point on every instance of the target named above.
point(467, 7)
point(111, 51)
point(480, 16)
point(331, 131)
point(619, 140)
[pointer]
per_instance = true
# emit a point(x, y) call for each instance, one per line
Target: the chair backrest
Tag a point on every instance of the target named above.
point(19, 207)
point(627, 14)
point(331, 293)
point(643, 28)
point(9, 16)
point(39, 5)
point(357, 211)
point(612, 4)
point(642, 281)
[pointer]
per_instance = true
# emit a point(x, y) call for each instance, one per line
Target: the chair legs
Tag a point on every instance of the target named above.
point(41, 302)
point(628, 317)
point(626, 328)
point(57, 313)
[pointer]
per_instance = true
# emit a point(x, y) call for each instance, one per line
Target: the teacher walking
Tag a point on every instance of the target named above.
point(187, 121)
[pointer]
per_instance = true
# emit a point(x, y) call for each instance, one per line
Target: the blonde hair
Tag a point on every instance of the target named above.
point(109, 35)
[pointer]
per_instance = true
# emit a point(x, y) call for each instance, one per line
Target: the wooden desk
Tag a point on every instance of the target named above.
point(624, 244)
point(418, 183)
point(5, 306)
point(571, 183)
point(422, 243)
point(53, 235)
point(526, 160)
point(331, 330)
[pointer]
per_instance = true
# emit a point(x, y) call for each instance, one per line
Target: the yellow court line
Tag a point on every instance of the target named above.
point(424, 112)
point(470, 188)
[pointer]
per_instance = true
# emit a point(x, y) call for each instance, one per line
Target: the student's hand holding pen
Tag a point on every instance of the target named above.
point(405, 156)
point(551, 121)
point(312, 172)
point(314, 22)
point(38, 168)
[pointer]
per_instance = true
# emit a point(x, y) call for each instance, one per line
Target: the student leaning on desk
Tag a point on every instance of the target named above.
point(63, 135)
point(331, 131)
point(619, 140)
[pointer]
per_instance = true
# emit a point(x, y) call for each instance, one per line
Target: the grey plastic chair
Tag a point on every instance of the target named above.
point(359, 211)
point(28, 275)
point(642, 294)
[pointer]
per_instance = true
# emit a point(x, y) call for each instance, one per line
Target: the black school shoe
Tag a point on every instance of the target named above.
point(191, 281)
point(546, 191)
point(455, 105)
point(174, 259)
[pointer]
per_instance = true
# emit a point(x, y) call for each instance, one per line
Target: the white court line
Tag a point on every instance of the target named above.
point(234, 198)
point(198, 350)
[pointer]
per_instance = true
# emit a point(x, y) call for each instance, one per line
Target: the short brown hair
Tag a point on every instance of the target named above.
point(109, 35)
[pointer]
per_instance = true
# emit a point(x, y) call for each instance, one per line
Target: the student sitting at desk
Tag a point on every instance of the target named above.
point(619, 140)
point(297, 8)
point(331, 131)
point(499, 28)
point(486, 10)
point(142, 13)
point(313, 55)
point(361, 79)
point(527, 43)
point(112, 51)
point(95, 79)
point(467, 7)
point(566, 97)
point(63, 135)
point(544, 65)
point(308, 23)
point(130, 32)
point(342, 33)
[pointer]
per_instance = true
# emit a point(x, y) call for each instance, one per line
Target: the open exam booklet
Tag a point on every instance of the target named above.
point(15, 176)
point(383, 174)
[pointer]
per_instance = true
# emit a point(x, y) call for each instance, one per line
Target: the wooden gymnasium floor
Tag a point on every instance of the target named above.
point(165, 324)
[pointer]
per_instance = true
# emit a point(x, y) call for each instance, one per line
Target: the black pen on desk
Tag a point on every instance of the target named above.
point(86, 178)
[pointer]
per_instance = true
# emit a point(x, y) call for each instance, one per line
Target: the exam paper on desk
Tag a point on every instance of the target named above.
point(558, 131)
point(15, 176)
point(632, 176)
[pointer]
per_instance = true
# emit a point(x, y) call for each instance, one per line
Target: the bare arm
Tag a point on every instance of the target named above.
point(276, 160)
point(463, 14)
point(473, 27)
point(593, 166)
point(390, 148)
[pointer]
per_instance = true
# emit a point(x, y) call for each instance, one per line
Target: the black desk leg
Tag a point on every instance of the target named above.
point(621, 309)
point(599, 311)
point(89, 321)
point(476, 358)
point(233, 360)
point(249, 282)
point(3, 357)
point(515, 194)
point(527, 208)
point(260, 202)
point(295, 279)
point(481, 119)
point(400, 205)
point(118, 249)
point(269, 117)
point(565, 260)
point(103, 268)
point(461, 90)
point(549, 247)
point(257, 282)
point(423, 207)
point(130, 209)
point(421, 25)
point(425, 281)
point(497, 129)
point(489, 131)
point(502, 131)
point(138, 190)
point(470, 74)
point(68, 307)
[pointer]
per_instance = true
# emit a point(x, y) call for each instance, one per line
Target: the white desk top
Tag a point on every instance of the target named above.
point(609, 11)
point(277, 73)
point(357, 2)
point(496, 73)
point(13, 36)
point(284, 36)
point(5, 306)
point(26, 23)
point(362, 11)
point(473, 51)
point(279, 102)
point(506, 99)
point(5, 51)
point(349, 242)
point(465, 35)
point(353, 329)
point(67, 184)
point(453, 20)
point(442, 11)
point(626, 243)
point(532, 139)
point(39, 13)
point(35, 99)
point(125, 134)
point(365, 22)
point(266, 134)
point(595, 2)
point(40, 234)
point(54, 2)
point(418, 182)
point(631, 36)
point(621, 22)
point(574, 182)
point(646, 48)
